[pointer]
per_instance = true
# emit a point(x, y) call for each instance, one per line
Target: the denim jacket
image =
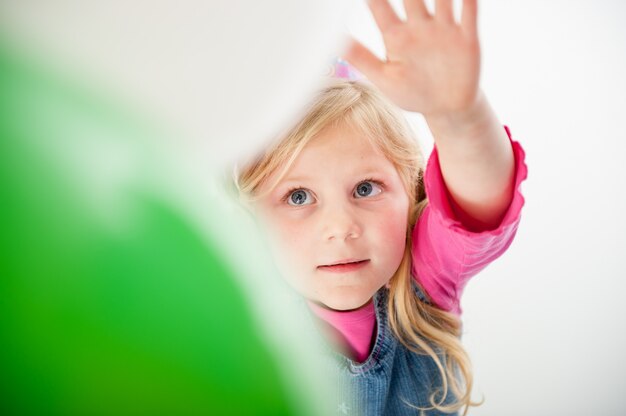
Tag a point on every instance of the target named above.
point(389, 378)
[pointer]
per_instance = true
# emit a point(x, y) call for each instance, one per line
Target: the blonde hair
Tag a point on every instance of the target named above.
point(421, 327)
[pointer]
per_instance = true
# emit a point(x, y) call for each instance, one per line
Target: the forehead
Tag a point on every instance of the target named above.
point(337, 154)
point(337, 147)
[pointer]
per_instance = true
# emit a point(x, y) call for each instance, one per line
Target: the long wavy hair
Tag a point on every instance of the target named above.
point(421, 327)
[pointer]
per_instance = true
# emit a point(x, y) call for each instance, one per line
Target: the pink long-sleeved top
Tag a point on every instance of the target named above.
point(446, 252)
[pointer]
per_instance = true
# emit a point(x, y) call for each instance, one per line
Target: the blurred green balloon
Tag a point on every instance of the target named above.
point(105, 312)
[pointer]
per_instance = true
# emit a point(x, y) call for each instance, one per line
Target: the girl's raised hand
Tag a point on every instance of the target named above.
point(433, 62)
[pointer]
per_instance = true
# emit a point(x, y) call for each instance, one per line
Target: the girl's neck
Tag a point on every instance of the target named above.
point(320, 306)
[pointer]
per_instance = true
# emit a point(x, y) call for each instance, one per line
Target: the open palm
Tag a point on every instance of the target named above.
point(433, 62)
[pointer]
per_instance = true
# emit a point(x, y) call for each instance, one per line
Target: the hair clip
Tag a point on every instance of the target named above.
point(340, 68)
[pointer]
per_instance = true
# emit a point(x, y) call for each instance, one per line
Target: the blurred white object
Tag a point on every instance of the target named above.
point(219, 76)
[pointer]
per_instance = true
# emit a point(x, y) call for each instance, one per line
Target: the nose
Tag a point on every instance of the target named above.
point(341, 222)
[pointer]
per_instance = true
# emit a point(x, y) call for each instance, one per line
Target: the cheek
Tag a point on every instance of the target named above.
point(291, 251)
point(287, 240)
point(288, 234)
point(391, 230)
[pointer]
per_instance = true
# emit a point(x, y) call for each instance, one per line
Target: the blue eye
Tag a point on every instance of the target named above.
point(367, 188)
point(298, 197)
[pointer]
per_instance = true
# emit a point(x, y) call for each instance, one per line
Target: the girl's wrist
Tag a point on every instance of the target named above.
point(469, 122)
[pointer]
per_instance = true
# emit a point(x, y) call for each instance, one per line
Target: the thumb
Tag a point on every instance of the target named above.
point(364, 60)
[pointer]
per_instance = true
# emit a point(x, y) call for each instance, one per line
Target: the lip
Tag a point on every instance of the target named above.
point(345, 266)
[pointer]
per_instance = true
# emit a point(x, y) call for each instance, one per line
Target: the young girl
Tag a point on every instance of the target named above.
point(342, 197)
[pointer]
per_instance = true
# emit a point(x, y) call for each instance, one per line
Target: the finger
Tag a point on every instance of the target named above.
point(384, 15)
point(469, 16)
point(443, 11)
point(416, 10)
point(364, 60)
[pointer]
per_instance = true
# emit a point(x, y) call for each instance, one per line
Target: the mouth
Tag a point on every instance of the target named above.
point(344, 266)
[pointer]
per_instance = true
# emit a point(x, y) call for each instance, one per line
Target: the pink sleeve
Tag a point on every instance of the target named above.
point(447, 252)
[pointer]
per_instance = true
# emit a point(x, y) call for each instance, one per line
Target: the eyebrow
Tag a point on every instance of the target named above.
point(366, 172)
point(294, 179)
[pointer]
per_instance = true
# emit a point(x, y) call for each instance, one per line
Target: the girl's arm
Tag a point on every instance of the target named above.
point(477, 164)
point(433, 67)
point(446, 250)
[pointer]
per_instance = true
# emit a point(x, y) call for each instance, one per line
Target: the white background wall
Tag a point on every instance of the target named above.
point(545, 324)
